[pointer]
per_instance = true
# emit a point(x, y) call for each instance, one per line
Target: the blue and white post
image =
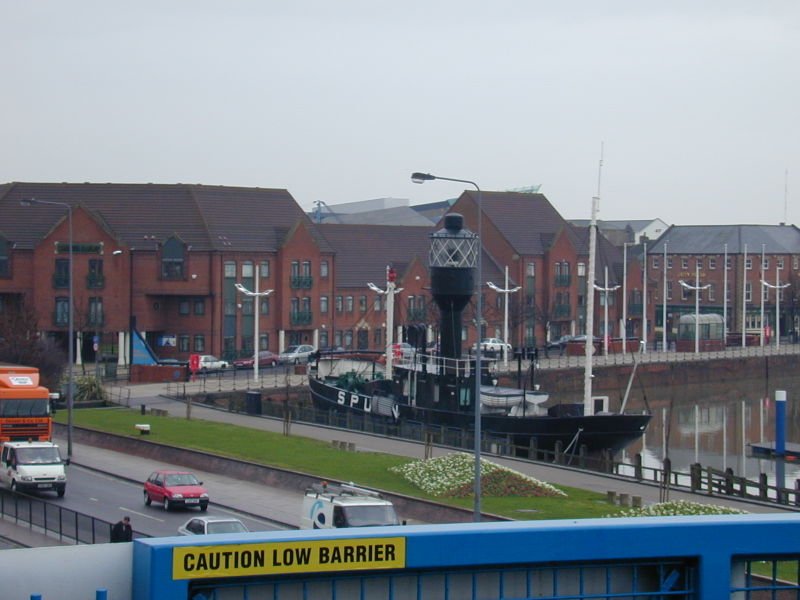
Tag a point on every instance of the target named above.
point(780, 439)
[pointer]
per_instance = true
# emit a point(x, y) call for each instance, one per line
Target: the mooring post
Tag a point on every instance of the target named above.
point(780, 441)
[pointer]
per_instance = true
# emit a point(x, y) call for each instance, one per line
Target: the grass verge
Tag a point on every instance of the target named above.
point(369, 469)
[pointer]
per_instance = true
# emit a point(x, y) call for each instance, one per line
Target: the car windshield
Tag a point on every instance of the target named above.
point(225, 527)
point(370, 516)
point(25, 407)
point(181, 479)
point(38, 456)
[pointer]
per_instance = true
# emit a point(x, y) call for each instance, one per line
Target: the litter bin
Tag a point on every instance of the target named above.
point(252, 403)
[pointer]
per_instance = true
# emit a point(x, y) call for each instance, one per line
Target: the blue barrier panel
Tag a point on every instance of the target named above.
point(651, 557)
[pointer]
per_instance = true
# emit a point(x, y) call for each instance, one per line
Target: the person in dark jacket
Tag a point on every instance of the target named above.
point(122, 530)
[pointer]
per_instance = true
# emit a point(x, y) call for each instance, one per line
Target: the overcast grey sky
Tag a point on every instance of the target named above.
point(696, 102)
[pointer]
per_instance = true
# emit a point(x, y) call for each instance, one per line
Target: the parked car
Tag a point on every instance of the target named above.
point(207, 525)
point(209, 362)
point(493, 345)
point(560, 343)
point(296, 354)
point(403, 350)
point(172, 362)
point(175, 488)
point(265, 359)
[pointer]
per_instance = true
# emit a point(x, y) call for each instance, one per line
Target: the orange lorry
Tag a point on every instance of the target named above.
point(24, 405)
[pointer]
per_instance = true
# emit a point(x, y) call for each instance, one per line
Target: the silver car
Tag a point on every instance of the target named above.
point(296, 354)
point(206, 525)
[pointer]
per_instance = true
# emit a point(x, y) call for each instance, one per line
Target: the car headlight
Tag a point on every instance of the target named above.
point(26, 478)
point(177, 496)
point(204, 495)
point(61, 478)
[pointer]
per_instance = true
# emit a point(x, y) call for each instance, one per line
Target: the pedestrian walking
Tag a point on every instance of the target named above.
point(122, 530)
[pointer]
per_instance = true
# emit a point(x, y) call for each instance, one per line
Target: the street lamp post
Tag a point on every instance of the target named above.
point(71, 322)
point(605, 289)
point(422, 178)
point(505, 291)
point(777, 287)
point(744, 296)
point(696, 288)
point(256, 295)
point(664, 347)
point(761, 271)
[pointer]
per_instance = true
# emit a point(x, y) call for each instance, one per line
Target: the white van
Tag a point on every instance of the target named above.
point(328, 506)
point(33, 466)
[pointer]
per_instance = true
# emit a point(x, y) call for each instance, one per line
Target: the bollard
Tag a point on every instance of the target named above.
point(624, 499)
point(636, 501)
point(611, 496)
point(101, 594)
point(36, 597)
point(144, 409)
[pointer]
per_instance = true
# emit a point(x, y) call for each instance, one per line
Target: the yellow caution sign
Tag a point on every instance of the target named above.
point(277, 558)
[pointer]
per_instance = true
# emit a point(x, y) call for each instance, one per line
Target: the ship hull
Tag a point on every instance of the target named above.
point(597, 433)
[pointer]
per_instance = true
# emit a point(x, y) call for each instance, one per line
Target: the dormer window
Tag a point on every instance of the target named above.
point(172, 259)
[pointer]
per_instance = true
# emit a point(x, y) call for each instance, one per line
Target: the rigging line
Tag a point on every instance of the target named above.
point(573, 443)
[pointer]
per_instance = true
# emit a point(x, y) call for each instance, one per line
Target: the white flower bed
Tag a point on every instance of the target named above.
point(449, 474)
point(679, 507)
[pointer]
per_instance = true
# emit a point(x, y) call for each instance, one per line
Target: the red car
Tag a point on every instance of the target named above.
point(265, 359)
point(175, 488)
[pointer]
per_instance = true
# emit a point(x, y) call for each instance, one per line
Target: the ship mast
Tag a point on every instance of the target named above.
point(588, 408)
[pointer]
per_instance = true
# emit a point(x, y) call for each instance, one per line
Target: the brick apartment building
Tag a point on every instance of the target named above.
point(166, 258)
point(724, 260)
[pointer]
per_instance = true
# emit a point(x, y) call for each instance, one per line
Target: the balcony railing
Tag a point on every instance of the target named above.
point(60, 280)
point(562, 310)
point(95, 281)
point(301, 317)
point(563, 280)
point(301, 282)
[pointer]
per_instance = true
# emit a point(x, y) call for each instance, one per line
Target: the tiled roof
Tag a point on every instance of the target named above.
point(364, 251)
point(205, 217)
point(528, 221)
point(711, 239)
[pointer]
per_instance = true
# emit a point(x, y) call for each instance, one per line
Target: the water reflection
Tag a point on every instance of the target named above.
point(713, 424)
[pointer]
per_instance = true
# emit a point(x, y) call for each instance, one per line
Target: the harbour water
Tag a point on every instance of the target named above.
point(714, 425)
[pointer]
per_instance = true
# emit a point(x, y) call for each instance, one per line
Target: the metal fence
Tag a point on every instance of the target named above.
point(49, 518)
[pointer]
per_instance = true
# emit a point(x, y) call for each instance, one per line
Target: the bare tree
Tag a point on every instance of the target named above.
point(21, 344)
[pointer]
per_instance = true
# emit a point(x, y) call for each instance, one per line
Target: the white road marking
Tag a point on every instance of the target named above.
point(145, 515)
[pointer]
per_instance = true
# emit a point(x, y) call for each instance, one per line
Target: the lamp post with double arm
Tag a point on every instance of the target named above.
point(696, 288)
point(505, 291)
point(256, 295)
